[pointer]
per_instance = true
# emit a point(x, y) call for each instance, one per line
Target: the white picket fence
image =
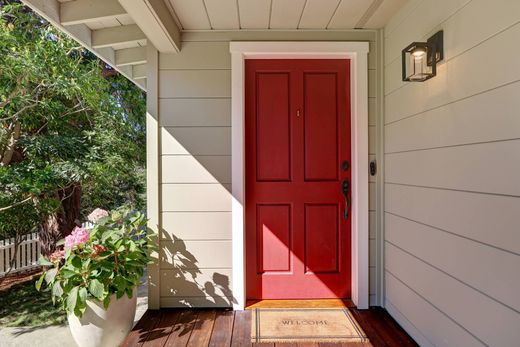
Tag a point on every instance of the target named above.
point(28, 252)
point(26, 258)
point(87, 225)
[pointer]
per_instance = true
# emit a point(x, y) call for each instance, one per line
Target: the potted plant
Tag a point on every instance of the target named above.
point(96, 275)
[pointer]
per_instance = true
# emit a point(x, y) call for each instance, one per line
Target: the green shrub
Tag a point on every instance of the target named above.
point(95, 264)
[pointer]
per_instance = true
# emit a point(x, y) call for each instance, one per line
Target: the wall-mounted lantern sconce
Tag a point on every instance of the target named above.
point(420, 58)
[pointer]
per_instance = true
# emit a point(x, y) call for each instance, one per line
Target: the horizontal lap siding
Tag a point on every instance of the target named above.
point(195, 109)
point(195, 104)
point(452, 176)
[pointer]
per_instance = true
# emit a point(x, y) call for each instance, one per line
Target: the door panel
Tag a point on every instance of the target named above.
point(321, 238)
point(297, 135)
point(273, 143)
point(274, 234)
point(321, 127)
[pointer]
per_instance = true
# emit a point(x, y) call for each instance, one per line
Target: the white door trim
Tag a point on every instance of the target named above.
point(357, 53)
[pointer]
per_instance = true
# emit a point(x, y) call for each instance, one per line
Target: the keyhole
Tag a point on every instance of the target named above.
point(298, 113)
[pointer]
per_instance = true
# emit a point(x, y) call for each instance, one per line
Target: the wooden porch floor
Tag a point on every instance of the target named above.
point(218, 327)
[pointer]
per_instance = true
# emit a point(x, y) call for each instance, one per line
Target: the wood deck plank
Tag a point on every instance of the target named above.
point(362, 317)
point(343, 344)
point(202, 329)
point(381, 328)
point(242, 329)
point(182, 329)
point(138, 335)
point(159, 335)
point(222, 329)
point(388, 337)
point(392, 329)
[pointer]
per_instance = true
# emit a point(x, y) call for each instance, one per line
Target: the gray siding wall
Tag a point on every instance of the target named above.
point(195, 160)
point(452, 177)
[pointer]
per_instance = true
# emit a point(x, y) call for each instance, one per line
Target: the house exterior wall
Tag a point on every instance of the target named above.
point(194, 102)
point(452, 177)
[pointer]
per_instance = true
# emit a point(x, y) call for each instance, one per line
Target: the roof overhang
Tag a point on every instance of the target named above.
point(117, 31)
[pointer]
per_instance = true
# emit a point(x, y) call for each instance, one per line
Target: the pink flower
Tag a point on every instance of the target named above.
point(97, 214)
point(57, 256)
point(78, 237)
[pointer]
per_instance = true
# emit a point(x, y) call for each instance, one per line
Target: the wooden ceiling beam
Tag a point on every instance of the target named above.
point(86, 11)
point(114, 36)
point(156, 21)
point(130, 56)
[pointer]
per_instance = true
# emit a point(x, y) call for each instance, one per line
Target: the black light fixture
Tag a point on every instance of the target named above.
point(420, 58)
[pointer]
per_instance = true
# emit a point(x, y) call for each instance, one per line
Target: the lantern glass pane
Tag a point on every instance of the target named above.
point(416, 63)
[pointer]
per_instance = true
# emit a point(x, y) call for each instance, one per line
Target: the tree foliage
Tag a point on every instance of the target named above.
point(71, 138)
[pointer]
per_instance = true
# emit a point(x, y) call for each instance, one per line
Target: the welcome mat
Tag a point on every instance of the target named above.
point(305, 325)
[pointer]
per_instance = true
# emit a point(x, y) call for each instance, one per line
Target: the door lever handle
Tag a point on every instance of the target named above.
point(345, 188)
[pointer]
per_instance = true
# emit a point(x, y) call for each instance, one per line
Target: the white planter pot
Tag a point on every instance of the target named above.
point(100, 328)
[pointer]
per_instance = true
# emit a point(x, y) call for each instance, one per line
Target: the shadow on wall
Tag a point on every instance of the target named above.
point(204, 153)
point(186, 285)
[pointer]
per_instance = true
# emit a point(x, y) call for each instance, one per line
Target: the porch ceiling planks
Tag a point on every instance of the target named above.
point(283, 14)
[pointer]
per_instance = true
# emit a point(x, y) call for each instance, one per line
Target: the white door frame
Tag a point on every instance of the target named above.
point(357, 53)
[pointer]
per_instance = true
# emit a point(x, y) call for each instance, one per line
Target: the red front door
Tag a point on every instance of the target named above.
point(297, 156)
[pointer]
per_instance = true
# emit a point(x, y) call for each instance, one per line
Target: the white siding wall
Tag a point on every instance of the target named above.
point(452, 177)
point(195, 160)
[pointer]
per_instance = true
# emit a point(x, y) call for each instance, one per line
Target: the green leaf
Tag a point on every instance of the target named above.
point(50, 275)
point(72, 299)
point(105, 236)
point(67, 273)
point(44, 261)
point(106, 302)
point(57, 290)
point(96, 288)
point(120, 283)
point(38, 283)
point(86, 263)
point(76, 262)
point(82, 294)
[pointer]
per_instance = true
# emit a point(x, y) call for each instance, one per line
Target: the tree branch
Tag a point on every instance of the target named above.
point(7, 155)
point(23, 109)
point(15, 204)
point(63, 116)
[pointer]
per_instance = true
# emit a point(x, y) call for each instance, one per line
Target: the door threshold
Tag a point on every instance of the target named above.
point(312, 303)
